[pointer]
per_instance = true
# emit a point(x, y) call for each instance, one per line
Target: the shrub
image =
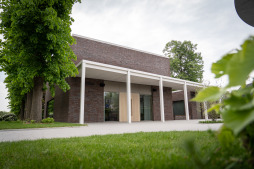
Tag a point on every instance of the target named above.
point(32, 121)
point(3, 113)
point(207, 121)
point(9, 117)
point(48, 120)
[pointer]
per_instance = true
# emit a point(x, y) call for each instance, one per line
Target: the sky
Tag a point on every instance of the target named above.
point(149, 24)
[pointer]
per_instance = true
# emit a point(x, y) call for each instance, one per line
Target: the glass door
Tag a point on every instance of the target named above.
point(146, 107)
point(111, 106)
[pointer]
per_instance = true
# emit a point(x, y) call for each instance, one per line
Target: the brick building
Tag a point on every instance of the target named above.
point(117, 83)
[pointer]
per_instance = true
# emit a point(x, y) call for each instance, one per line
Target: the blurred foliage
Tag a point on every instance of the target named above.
point(237, 109)
point(51, 108)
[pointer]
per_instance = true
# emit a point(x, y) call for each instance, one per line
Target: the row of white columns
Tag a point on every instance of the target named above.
point(128, 91)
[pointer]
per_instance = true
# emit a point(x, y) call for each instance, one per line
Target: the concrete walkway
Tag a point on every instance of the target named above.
point(104, 128)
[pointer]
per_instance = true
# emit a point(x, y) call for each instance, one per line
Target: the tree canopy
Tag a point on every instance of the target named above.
point(36, 47)
point(185, 62)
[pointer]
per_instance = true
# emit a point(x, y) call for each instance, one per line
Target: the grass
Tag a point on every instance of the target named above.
point(210, 121)
point(23, 125)
point(139, 150)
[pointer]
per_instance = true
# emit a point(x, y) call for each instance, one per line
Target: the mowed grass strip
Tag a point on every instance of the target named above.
point(139, 150)
point(23, 125)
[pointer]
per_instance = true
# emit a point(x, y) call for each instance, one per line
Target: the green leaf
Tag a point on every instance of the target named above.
point(241, 64)
point(209, 94)
point(215, 107)
point(238, 120)
point(234, 101)
point(219, 68)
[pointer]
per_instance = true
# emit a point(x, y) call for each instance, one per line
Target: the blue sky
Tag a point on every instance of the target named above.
point(149, 24)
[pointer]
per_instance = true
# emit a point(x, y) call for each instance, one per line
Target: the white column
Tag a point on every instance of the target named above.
point(128, 91)
point(161, 100)
point(186, 102)
point(82, 93)
point(205, 109)
point(220, 108)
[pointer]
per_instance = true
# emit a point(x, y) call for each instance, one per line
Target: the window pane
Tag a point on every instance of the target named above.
point(111, 106)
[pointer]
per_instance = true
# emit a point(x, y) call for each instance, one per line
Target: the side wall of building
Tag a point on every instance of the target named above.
point(193, 112)
point(67, 105)
point(168, 106)
point(93, 50)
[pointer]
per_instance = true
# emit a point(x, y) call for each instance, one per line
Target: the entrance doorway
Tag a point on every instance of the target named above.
point(146, 107)
point(179, 110)
point(111, 106)
point(135, 107)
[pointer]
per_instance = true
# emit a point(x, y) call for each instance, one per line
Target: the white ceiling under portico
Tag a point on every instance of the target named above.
point(107, 72)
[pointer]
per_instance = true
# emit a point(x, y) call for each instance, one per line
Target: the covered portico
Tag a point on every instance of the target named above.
point(96, 70)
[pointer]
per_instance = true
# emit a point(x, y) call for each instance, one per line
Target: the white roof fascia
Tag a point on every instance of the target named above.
point(177, 91)
point(121, 70)
point(144, 75)
point(104, 68)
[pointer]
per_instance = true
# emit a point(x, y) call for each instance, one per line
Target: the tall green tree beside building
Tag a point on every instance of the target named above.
point(35, 51)
point(185, 62)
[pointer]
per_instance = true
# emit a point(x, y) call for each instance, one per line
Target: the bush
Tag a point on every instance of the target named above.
point(32, 121)
point(48, 120)
point(207, 121)
point(9, 117)
point(3, 113)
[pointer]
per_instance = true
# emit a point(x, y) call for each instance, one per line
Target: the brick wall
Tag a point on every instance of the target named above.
point(168, 104)
point(61, 105)
point(119, 56)
point(179, 96)
point(94, 101)
point(67, 105)
point(168, 107)
point(74, 100)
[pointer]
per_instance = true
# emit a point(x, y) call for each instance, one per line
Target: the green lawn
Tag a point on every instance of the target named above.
point(21, 125)
point(139, 150)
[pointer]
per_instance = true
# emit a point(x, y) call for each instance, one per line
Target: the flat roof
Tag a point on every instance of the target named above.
point(96, 70)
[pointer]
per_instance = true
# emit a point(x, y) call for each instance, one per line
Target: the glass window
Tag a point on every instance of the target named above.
point(111, 106)
point(178, 108)
point(146, 107)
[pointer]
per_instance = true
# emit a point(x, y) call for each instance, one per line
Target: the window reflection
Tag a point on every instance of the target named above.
point(111, 106)
point(146, 107)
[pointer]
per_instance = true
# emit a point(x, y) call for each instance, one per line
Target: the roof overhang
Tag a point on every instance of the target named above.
point(96, 70)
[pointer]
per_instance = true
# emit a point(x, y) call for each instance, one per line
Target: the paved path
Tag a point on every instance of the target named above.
point(104, 128)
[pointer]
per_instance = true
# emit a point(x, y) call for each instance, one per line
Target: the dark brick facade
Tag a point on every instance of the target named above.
point(67, 105)
point(61, 105)
point(119, 56)
point(179, 96)
point(168, 107)
point(168, 104)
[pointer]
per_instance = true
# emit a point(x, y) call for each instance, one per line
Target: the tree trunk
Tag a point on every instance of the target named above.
point(22, 110)
point(28, 105)
point(36, 108)
point(44, 105)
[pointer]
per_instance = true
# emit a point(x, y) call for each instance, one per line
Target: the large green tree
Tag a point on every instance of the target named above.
point(185, 62)
point(35, 51)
